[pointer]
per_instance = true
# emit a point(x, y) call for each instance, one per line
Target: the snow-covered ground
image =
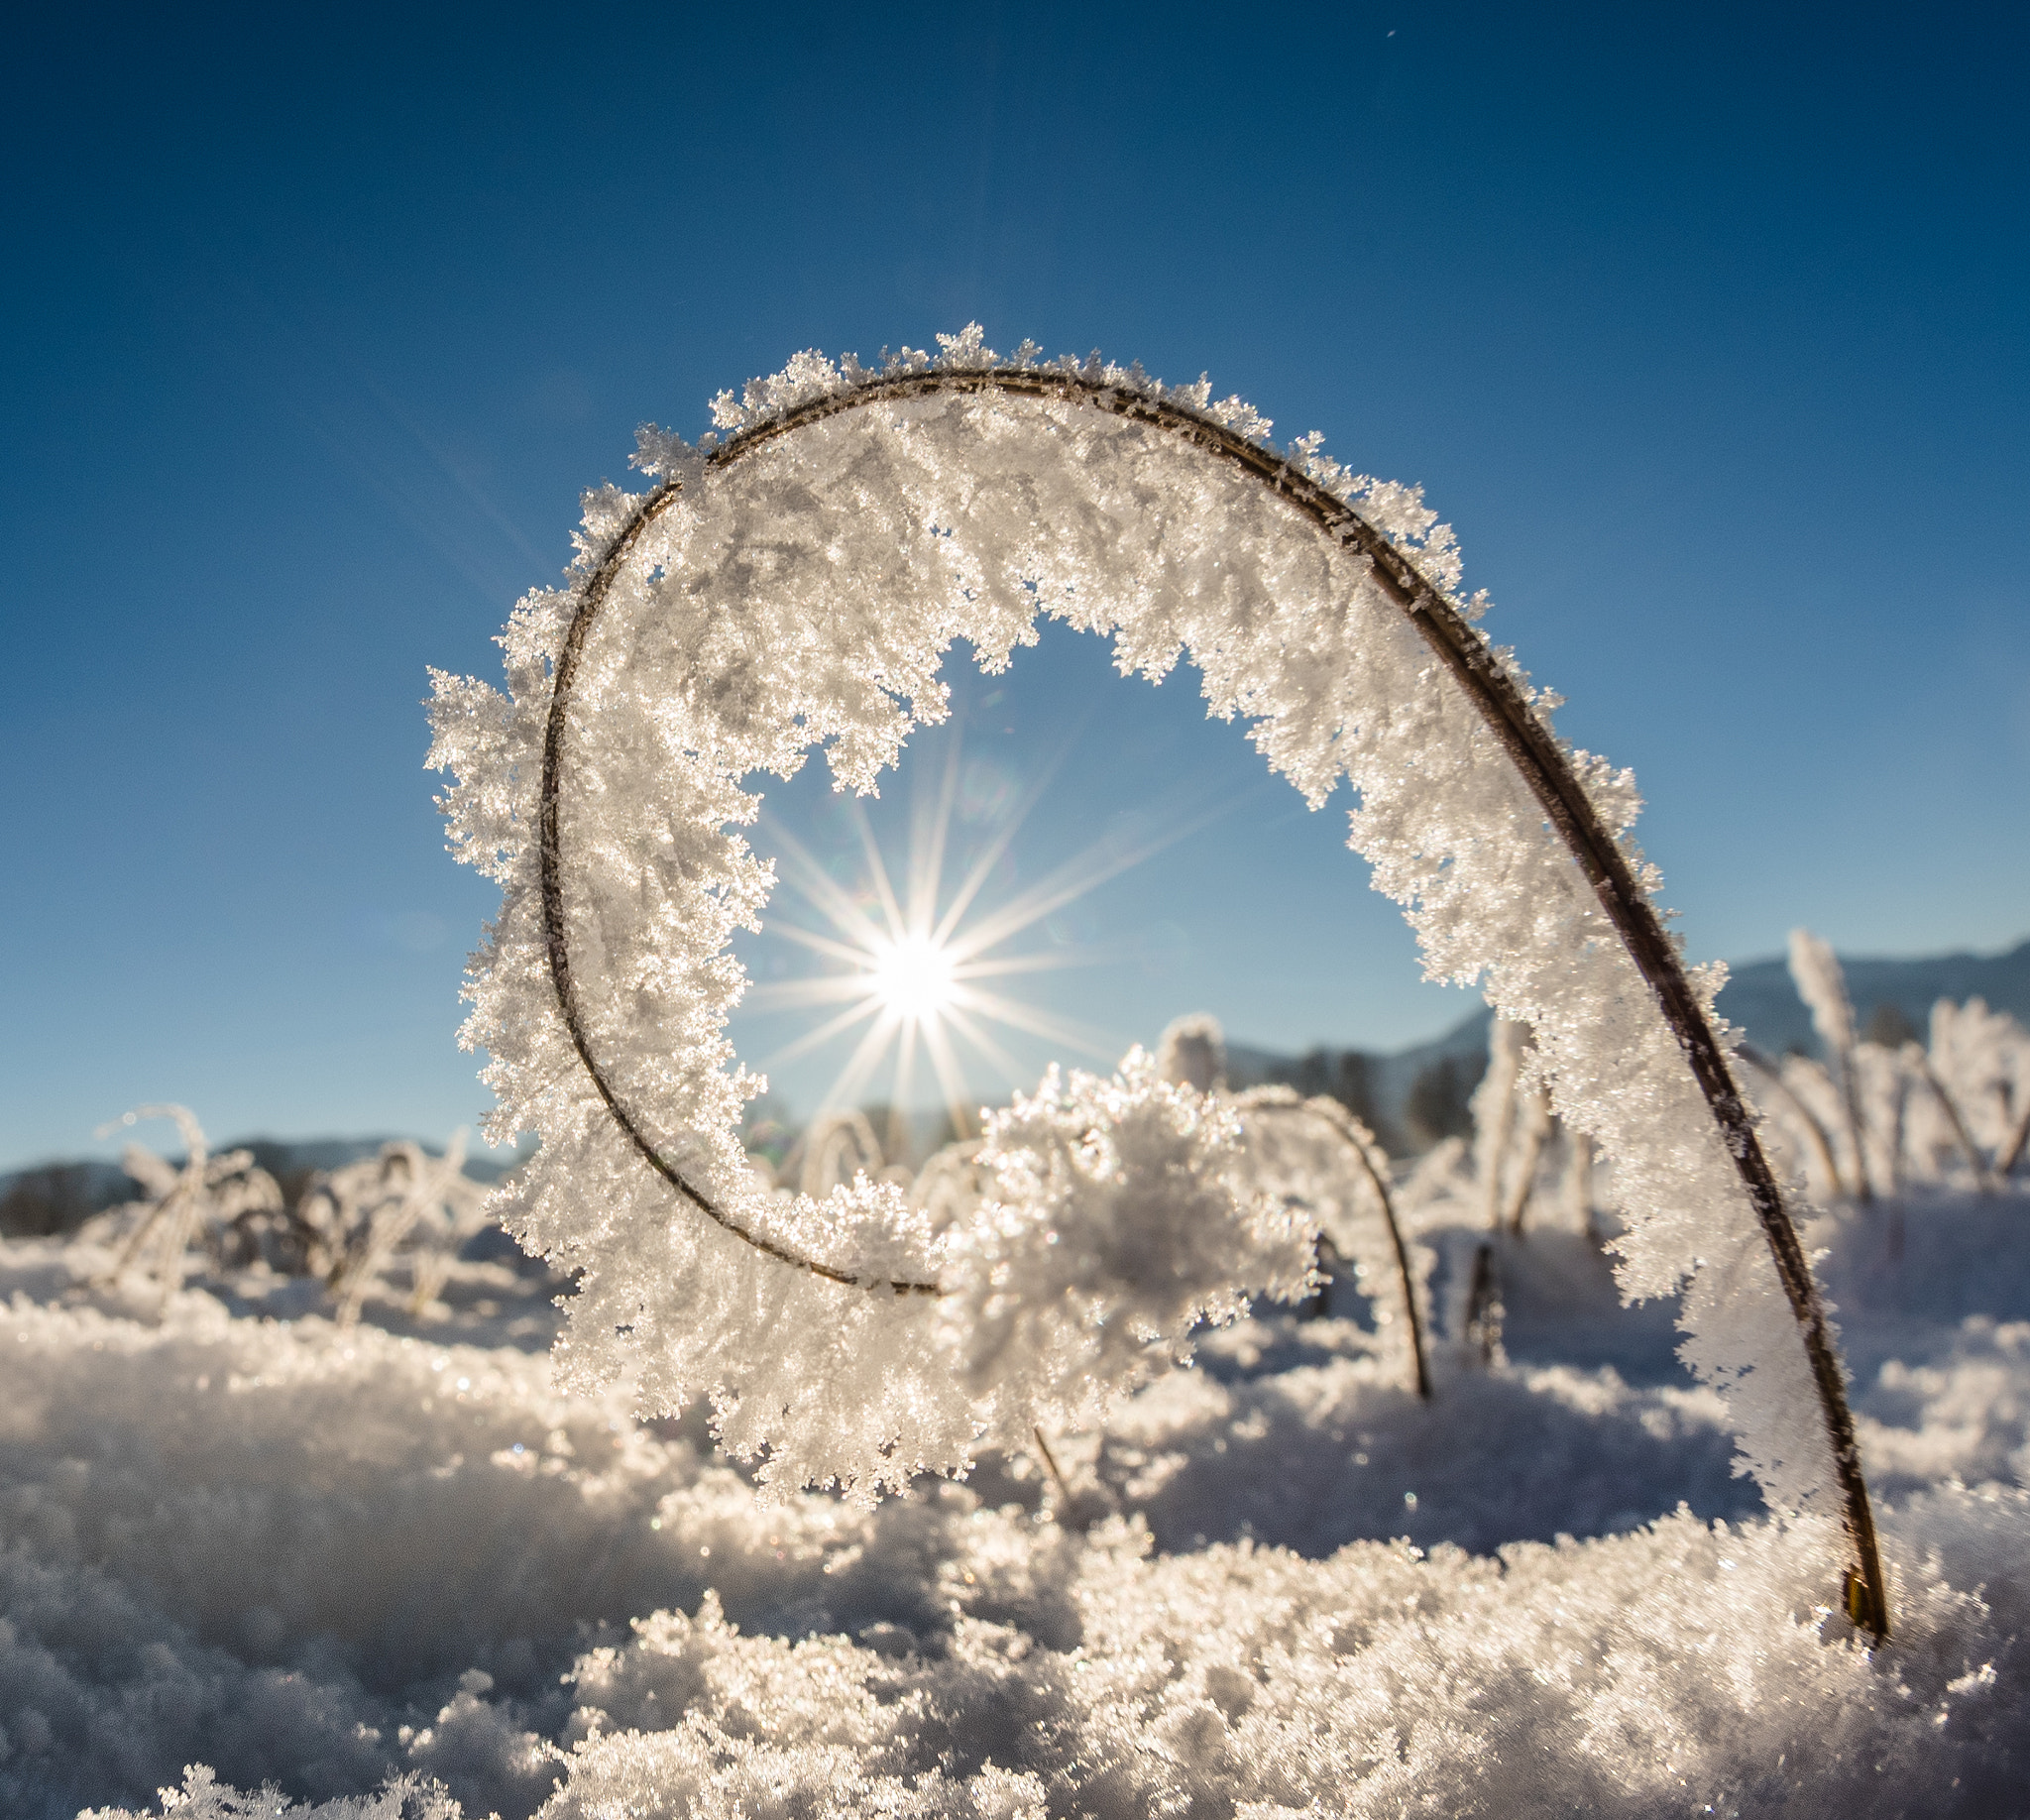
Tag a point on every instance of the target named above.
point(389, 1567)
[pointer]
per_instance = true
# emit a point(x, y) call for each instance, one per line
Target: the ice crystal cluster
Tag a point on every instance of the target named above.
point(1109, 1226)
point(800, 590)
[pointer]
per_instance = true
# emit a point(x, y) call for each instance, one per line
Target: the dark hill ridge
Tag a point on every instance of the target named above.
point(57, 1197)
point(1759, 997)
point(1411, 1097)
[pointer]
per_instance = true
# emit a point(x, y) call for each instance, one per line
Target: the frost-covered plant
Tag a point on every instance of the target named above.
point(1315, 1155)
point(1116, 1220)
point(1511, 1123)
point(1805, 1100)
point(1884, 1084)
point(1979, 1070)
point(1889, 1115)
point(1578, 1197)
point(1510, 1126)
point(1494, 1113)
point(1532, 1132)
point(201, 1199)
point(1948, 1110)
point(359, 1215)
point(1092, 1228)
point(797, 585)
point(453, 1209)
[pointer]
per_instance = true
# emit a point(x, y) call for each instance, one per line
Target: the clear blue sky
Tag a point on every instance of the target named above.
point(1706, 327)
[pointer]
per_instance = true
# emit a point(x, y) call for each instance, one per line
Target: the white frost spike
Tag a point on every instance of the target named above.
point(1494, 1113)
point(792, 595)
point(1822, 985)
point(1192, 1052)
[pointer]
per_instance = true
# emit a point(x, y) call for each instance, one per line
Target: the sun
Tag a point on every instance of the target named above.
point(911, 967)
point(915, 978)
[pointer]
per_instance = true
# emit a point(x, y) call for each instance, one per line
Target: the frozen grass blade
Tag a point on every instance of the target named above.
point(1985, 1182)
point(1231, 438)
point(1822, 985)
point(1494, 1114)
point(1536, 1127)
point(1374, 1171)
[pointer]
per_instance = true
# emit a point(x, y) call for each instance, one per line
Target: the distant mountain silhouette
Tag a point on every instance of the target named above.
point(1430, 1079)
point(1759, 997)
point(53, 1198)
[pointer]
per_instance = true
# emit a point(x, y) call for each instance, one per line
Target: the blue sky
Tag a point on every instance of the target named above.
point(1705, 328)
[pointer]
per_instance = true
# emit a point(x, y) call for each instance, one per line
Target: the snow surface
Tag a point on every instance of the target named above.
point(246, 1537)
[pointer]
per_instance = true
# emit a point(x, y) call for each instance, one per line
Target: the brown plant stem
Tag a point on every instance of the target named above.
point(1538, 754)
point(2005, 1164)
point(1361, 1141)
point(1050, 1460)
point(1483, 1300)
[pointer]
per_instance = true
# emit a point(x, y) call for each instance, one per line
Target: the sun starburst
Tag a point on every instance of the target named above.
point(920, 971)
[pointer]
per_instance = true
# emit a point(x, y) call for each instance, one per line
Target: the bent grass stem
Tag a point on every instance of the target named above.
point(1540, 758)
point(1985, 1182)
point(1361, 1141)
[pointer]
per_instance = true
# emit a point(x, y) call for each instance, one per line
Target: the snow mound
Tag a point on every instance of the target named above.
point(384, 1577)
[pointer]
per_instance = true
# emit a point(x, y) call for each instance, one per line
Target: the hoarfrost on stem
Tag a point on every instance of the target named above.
point(798, 590)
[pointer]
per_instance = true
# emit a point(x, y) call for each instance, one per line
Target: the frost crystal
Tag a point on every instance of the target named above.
point(1108, 1231)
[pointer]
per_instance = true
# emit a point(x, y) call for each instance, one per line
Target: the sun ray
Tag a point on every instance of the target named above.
point(950, 1079)
point(824, 1032)
point(1080, 873)
point(795, 994)
point(991, 855)
point(928, 836)
point(825, 945)
point(860, 1065)
point(1112, 954)
point(905, 1085)
point(822, 891)
point(877, 872)
point(1010, 1069)
point(1013, 1011)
